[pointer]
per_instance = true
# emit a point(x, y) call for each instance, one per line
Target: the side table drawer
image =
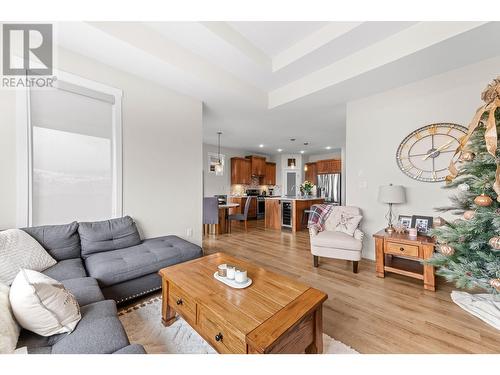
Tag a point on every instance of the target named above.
point(401, 249)
point(181, 303)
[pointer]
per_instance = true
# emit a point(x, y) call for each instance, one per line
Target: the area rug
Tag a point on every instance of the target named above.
point(143, 325)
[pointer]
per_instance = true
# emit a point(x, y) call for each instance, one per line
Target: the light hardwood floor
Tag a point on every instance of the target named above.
point(372, 315)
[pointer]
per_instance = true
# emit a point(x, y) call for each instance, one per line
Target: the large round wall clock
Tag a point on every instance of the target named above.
point(425, 154)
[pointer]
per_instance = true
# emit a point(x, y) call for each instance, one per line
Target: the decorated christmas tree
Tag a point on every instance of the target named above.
point(469, 247)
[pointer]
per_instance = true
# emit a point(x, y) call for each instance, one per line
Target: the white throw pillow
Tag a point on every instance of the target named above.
point(42, 305)
point(9, 329)
point(19, 250)
point(343, 221)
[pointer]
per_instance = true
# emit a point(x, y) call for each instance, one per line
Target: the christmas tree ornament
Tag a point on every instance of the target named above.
point(446, 250)
point(438, 222)
point(463, 187)
point(469, 214)
point(494, 242)
point(483, 200)
point(495, 283)
point(467, 156)
point(485, 115)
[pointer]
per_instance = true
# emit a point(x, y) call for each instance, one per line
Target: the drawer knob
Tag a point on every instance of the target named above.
point(401, 249)
point(218, 337)
point(179, 301)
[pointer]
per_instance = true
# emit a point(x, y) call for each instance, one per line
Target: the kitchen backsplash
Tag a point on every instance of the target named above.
point(241, 189)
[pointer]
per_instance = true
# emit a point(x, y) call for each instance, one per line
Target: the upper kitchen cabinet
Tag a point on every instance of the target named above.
point(270, 174)
point(328, 166)
point(258, 165)
point(241, 171)
point(312, 173)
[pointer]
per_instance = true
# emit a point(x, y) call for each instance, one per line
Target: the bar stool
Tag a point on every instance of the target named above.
point(305, 218)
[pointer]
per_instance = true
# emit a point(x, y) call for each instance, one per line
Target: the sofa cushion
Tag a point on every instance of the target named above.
point(36, 343)
point(116, 266)
point(335, 216)
point(9, 329)
point(346, 222)
point(19, 250)
point(85, 289)
point(42, 304)
point(66, 269)
point(108, 235)
point(337, 240)
point(131, 349)
point(60, 241)
point(99, 331)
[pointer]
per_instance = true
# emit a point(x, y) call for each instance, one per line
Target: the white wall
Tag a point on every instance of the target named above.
point(162, 151)
point(376, 125)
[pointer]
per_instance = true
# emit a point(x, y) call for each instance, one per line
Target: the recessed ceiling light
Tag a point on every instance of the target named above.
point(261, 146)
point(328, 147)
point(302, 151)
point(279, 150)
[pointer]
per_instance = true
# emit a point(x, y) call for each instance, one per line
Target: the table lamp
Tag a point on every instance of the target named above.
point(391, 194)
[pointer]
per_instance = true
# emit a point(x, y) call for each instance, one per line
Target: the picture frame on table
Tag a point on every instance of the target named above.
point(422, 223)
point(405, 221)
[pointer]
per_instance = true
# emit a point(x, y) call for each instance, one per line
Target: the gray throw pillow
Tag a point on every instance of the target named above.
point(99, 236)
point(61, 241)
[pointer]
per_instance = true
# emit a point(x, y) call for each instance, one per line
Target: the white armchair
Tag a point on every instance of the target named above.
point(335, 244)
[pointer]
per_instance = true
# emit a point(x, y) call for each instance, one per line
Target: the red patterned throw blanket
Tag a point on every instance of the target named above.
point(318, 215)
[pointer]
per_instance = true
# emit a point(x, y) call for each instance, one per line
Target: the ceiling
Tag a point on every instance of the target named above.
point(274, 37)
point(263, 83)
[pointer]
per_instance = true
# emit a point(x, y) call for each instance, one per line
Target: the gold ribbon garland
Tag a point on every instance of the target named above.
point(491, 96)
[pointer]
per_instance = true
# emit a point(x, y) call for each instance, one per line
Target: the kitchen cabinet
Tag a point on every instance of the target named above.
point(269, 177)
point(258, 165)
point(241, 173)
point(252, 210)
point(312, 173)
point(328, 166)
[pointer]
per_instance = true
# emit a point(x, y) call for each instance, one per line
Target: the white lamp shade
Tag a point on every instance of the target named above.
point(391, 194)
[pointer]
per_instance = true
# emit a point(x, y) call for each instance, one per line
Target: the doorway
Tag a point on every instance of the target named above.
point(291, 183)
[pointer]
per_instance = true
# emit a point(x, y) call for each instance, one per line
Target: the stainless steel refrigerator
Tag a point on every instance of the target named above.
point(329, 187)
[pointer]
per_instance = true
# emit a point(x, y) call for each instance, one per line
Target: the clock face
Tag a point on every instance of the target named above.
point(425, 154)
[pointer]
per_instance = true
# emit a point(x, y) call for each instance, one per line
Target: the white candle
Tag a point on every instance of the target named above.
point(222, 270)
point(230, 271)
point(240, 276)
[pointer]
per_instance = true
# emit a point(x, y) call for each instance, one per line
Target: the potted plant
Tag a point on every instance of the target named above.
point(307, 187)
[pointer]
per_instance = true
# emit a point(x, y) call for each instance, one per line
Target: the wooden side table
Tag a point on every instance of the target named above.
point(401, 254)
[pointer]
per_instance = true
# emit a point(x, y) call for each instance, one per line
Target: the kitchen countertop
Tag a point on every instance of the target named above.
point(294, 198)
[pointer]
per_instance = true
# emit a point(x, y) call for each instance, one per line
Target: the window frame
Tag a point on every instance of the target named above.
point(24, 139)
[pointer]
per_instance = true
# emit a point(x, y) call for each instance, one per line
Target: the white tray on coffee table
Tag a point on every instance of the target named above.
point(233, 283)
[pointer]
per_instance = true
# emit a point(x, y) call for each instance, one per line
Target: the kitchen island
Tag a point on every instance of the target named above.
point(287, 212)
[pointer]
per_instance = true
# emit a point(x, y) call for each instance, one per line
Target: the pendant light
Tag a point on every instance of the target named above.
point(218, 166)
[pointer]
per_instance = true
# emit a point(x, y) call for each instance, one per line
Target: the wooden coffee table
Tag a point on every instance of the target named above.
point(275, 314)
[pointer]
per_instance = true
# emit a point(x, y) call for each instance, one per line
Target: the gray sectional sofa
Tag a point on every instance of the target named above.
point(102, 264)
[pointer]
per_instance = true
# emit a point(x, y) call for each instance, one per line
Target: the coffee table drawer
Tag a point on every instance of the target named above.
point(181, 303)
point(401, 249)
point(218, 333)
